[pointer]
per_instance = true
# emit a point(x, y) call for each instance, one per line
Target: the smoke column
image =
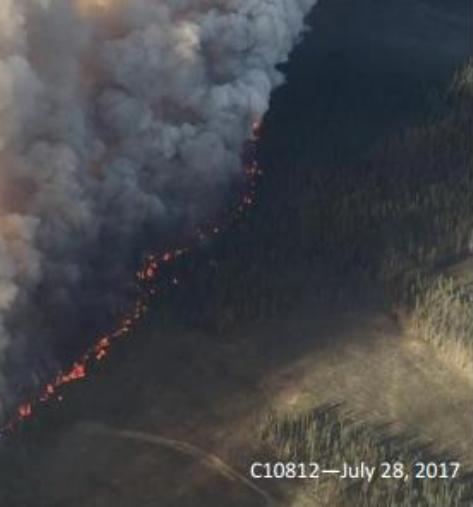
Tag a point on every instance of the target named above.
point(121, 122)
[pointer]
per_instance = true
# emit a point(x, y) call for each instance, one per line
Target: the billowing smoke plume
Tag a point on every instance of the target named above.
point(120, 120)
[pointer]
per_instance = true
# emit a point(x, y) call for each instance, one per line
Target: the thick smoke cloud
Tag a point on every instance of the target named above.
point(120, 121)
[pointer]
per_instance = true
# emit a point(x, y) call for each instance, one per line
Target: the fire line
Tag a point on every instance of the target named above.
point(147, 277)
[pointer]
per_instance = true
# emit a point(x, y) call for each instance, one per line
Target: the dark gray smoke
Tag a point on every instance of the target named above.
point(119, 120)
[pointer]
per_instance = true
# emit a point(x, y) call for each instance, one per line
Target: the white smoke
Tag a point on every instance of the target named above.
point(118, 121)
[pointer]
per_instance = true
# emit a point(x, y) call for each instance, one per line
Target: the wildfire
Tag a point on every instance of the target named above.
point(147, 277)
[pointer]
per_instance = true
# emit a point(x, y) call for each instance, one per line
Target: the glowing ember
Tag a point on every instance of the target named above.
point(25, 410)
point(86, 7)
point(147, 278)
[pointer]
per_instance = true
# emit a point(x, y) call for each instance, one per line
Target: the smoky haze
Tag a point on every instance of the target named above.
point(119, 121)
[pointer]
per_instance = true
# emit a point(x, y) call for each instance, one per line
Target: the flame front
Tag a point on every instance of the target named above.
point(147, 274)
point(147, 277)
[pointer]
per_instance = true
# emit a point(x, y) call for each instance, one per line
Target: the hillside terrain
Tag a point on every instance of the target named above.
point(309, 328)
